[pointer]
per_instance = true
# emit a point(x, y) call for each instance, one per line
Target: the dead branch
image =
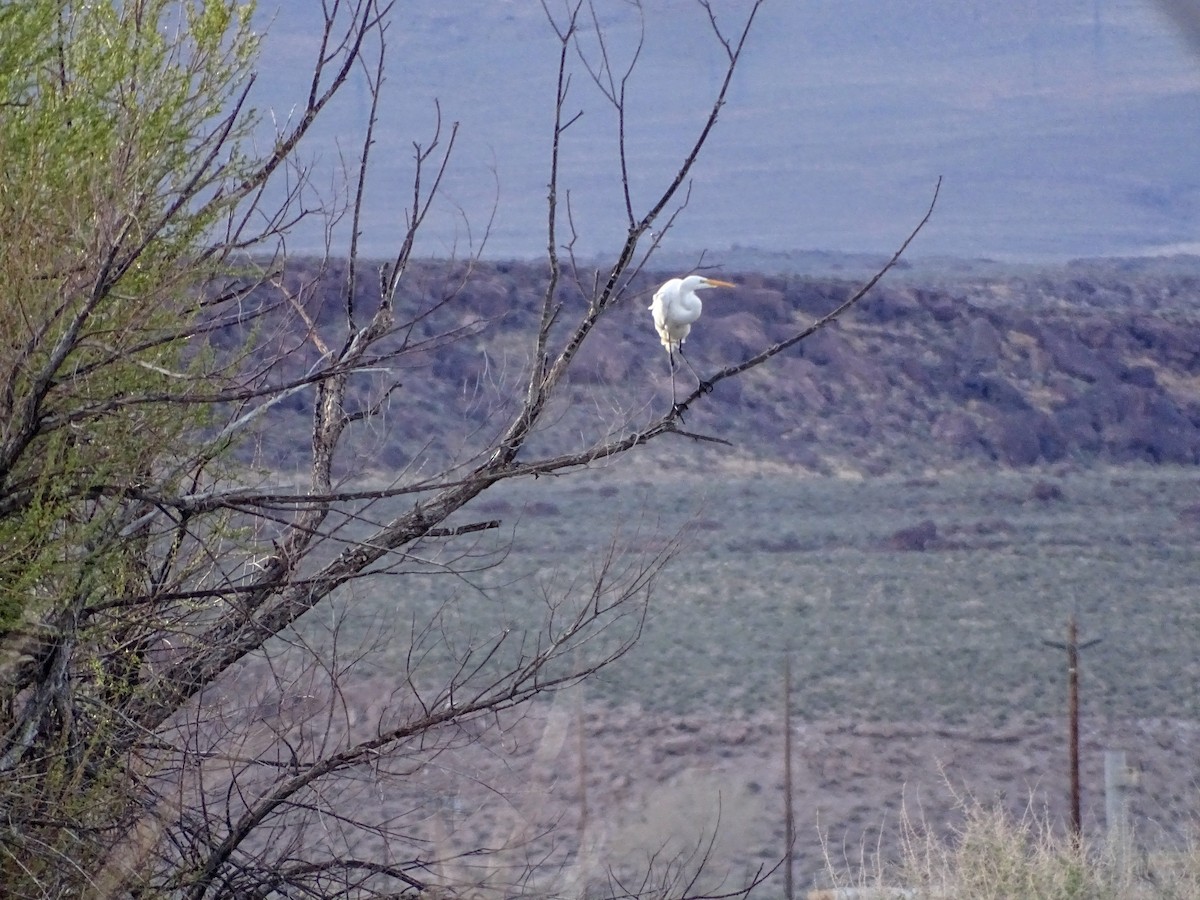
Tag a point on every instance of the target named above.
point(832, 316)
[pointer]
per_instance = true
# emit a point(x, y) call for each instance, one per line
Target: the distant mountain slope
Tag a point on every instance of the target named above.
point(1093, 362)
point(1061, 129)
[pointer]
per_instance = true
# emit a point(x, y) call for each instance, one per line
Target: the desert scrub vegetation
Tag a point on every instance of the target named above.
point(996, 854)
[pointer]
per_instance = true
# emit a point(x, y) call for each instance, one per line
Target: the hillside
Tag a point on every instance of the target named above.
point(918, 674)
point(1094, 362)
point(1060, 128)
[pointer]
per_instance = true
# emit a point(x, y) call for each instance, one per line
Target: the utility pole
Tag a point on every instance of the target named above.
point(1073, 648)
point(789, 816)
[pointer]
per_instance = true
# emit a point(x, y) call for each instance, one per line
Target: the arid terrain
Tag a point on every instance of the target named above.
point(586, 791)
point(909, 506)
point(915, 612)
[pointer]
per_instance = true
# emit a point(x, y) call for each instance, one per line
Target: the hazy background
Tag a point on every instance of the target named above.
point(1063, 129)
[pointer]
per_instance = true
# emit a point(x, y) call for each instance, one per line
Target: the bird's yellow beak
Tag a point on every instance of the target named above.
point(712, 282)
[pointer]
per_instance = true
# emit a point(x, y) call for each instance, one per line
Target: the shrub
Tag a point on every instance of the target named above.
point(993, 854)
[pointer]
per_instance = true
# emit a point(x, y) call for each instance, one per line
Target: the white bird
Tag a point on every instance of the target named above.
point(675, 309)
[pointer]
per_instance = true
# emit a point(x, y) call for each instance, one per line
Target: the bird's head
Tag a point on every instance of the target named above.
point(699, 282)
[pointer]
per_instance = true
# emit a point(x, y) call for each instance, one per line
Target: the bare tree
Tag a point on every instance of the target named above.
point(170, 725)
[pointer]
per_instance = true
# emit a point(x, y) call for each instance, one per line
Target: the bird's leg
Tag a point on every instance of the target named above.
point(705, 386)
point(676, 409)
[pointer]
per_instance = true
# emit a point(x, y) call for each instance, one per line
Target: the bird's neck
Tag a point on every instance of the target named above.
point(689, 310)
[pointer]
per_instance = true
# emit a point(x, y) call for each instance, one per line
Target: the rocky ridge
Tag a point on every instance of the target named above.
point(1095, 362)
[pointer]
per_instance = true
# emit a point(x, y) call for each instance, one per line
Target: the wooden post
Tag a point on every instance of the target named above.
point(1117, 778)
point(581, 729)
point(1072, 646)
point(789, 817)
point(1073, 716)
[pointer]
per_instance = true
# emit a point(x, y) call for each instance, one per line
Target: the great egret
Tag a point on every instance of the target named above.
point(675, 309)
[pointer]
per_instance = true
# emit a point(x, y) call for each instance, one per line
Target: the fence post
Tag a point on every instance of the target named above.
point(1118, 778)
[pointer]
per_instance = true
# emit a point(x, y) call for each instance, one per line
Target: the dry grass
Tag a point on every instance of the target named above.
point(993, 854)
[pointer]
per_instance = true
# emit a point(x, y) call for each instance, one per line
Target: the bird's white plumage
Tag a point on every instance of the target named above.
point(676, 308)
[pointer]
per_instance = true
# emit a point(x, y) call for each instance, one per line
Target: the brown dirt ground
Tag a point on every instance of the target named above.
point(626, 784)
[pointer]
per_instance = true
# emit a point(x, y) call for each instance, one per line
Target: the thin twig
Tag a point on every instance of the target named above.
point(775, 349)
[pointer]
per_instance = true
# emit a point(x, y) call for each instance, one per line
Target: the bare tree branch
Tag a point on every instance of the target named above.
point(817, 325)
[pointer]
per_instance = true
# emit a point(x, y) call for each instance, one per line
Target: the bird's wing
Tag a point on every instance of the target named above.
point(658, 308)
point(670, 333)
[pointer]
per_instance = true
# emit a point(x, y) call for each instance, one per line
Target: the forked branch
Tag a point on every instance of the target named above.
point(831, 316)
